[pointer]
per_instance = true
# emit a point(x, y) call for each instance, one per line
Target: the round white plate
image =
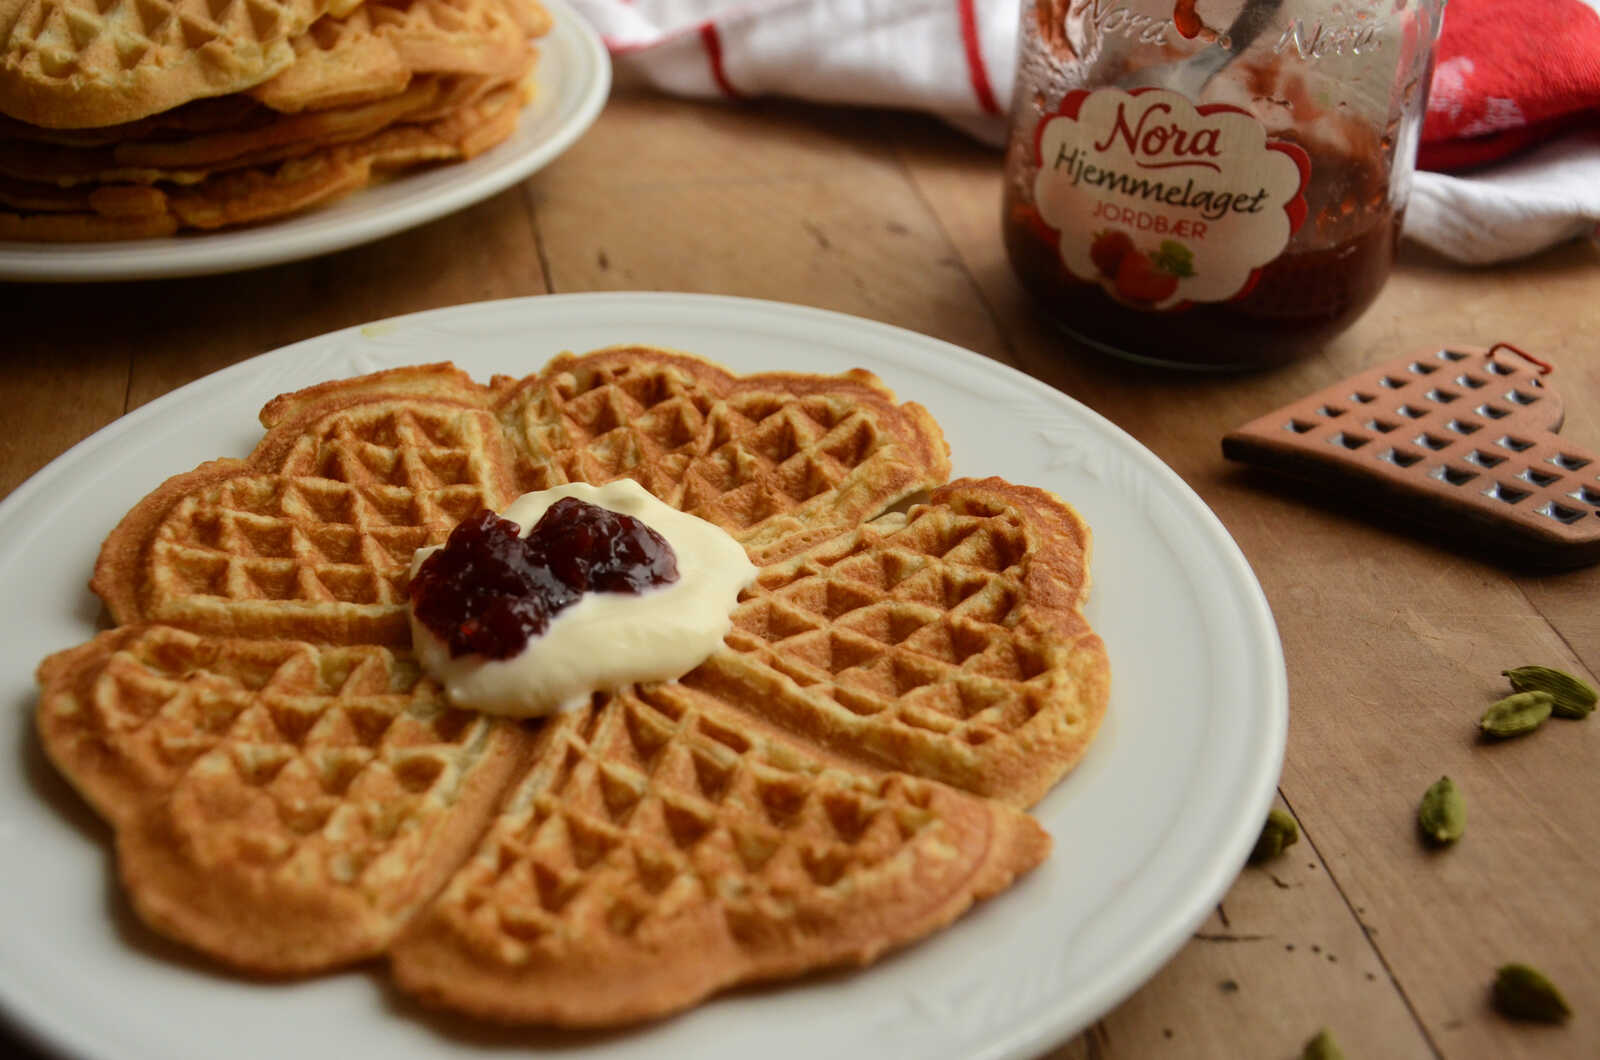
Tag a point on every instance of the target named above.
point(1150, 829)
point(574, 78)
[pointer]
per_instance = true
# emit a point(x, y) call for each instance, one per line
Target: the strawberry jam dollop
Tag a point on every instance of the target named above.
point(489, 590)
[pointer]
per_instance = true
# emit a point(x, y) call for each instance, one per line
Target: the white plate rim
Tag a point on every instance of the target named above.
point(1205, 881)
point(574, 80)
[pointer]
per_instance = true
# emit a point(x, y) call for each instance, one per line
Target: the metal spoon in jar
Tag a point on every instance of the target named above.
point(1190, 76)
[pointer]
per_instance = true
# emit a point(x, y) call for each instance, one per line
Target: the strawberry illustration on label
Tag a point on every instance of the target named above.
point(1109, 249)
point(1153, 277)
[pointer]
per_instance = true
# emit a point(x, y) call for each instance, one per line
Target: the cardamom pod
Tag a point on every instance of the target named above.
point(1322, 1047)
point(1523, 993)
point(1279, 832)
point(1442, 815)
point(1517, 714)
point(1572, 697)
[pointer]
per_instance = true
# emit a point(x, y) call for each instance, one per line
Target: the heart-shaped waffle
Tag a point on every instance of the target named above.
point(291, 793)
point(1462, 442)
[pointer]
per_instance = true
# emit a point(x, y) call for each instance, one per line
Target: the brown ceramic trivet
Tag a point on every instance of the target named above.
point(1461, 440)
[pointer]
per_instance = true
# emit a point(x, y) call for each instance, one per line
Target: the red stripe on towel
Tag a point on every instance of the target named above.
point(713, 46)
point(975, 67)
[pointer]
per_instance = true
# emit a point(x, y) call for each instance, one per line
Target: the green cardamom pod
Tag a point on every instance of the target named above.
point(1517, 714)
point(1322, 1047)
point(1442, 815)
point(1279, 832)
point(1523, 993)
point(1572, 697)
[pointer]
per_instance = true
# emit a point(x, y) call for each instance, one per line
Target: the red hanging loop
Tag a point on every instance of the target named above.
point(1545, 368)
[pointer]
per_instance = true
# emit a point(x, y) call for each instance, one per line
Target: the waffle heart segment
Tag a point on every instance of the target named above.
point(948, 642)
point(282, 807)
point(659, 825)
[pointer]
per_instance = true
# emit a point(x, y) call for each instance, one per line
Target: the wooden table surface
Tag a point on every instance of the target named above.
point(1393, 645)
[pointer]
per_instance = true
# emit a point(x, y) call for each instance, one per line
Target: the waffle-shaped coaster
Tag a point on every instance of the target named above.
point(1461, 441)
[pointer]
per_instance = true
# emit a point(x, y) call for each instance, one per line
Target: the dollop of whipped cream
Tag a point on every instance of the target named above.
point(605, 640)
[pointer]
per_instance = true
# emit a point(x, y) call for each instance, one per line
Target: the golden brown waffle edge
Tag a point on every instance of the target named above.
point(347, 94)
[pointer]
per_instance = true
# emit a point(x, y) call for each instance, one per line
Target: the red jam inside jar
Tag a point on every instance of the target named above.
point(489, 589)
point(1297, 302)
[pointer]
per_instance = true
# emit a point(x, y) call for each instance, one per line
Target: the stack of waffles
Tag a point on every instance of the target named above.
point(136, 118)
point(847, 773)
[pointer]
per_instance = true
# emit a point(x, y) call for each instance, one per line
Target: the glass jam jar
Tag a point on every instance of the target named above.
point(1213, 183)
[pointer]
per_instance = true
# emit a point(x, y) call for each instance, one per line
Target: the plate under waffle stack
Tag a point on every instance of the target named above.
point(1461, 441)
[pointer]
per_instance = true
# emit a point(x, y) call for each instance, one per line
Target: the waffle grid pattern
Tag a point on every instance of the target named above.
point(657, 823)
point(750, 815)
point(338, 525)
point(909, 643)
point(334, 524)
point(912, 626)
point(298, 768)
point(902, 641)
point(735, 462)
point(310, 727)
point(95, 62)
point(336, 61)
point(648, 795)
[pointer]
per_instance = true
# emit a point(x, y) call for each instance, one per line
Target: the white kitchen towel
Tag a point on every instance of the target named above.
point(951, 57)
point(955, 59)
point(1513, 208)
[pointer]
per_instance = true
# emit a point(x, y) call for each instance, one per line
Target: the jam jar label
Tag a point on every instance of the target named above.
point(1164, 203)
